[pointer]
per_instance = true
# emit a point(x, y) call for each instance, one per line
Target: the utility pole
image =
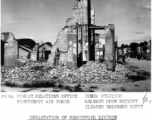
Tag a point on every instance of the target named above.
point(93, 46)
point(110, 40)
point(89, 30)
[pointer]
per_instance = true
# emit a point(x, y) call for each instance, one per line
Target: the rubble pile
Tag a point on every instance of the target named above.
point(31, 71)
point(30, 63)
point(92, 72)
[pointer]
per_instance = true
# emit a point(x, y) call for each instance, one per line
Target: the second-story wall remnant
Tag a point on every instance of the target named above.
point(79, 15)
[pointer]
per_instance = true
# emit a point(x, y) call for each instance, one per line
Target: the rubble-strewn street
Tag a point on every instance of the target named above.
point(92, 72)
point(44, 74)
point(78, 54)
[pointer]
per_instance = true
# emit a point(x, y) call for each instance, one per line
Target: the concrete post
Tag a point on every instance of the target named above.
point(110, 48)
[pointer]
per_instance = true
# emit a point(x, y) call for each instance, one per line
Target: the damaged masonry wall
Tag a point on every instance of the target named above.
point(79, 15)
point(11, 50)
point(15, 51)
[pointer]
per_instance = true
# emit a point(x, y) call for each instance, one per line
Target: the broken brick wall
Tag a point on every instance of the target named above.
point(79, 15)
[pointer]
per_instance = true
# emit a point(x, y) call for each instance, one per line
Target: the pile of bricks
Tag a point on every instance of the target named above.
point(92, 72)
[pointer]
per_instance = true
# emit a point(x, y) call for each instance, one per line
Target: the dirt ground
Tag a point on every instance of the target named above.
point(134, 86)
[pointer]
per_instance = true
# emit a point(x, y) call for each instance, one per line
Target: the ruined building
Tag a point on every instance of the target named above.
point(13, 49)
point(10, 52)
point(45, 51)
point(25, 47)
point(79, 16)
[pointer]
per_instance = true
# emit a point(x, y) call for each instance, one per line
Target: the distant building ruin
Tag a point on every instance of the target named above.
point(13, 49)
point(45, 51)
point(25, 47)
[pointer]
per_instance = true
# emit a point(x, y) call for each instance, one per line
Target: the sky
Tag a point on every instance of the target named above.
point(41, 20)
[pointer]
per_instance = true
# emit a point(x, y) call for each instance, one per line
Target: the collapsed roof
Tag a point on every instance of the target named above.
point(26, 42)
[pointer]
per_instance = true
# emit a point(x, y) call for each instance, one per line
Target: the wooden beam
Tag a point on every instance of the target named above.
point(97, 27)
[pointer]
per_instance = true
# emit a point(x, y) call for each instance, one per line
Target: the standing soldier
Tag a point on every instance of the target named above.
point(123, 57)
point(57, 57)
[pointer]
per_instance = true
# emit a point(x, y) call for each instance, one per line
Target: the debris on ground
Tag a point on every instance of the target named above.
point(41, 72)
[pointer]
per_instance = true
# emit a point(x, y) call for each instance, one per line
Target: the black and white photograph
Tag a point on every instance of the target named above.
point(75, 46)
